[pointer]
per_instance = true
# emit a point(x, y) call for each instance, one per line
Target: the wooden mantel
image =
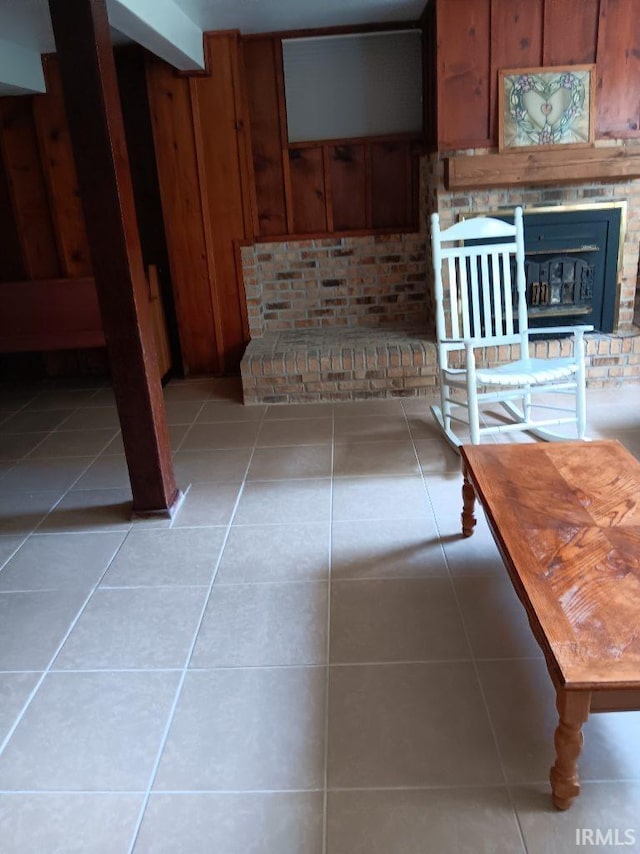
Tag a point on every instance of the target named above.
point(566, 166)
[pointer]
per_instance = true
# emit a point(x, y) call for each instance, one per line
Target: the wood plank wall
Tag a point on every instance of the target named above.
point(45, 261)
point(474, 38)
point(320, 187)
point(202, 147)
point(227, 173)
point(47, 295)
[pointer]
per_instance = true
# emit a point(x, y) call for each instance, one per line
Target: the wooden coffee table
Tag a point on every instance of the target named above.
point(566, 518)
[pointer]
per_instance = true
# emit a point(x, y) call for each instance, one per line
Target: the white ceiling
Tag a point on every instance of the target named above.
point(25, 26)
point(27, 22)
point(263, 16)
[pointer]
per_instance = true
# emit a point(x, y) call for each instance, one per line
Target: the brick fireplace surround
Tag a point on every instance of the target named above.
point(351, 318)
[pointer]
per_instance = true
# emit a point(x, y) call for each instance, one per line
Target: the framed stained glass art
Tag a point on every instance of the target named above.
point(546, 107)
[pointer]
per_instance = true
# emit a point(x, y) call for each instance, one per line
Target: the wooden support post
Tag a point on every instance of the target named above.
point(85, 54)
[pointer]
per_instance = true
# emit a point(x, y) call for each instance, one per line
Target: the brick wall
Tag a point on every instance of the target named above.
point(376, 280)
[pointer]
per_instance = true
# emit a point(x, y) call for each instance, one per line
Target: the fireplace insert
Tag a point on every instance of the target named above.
point(571, 265)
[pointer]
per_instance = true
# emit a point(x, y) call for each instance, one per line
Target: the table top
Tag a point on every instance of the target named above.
point(566, 517)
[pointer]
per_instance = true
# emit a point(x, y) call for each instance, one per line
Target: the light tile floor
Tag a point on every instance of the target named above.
point(308, 660)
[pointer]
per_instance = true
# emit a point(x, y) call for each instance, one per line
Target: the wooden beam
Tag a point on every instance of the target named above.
point(85, 54)
point(564, 166)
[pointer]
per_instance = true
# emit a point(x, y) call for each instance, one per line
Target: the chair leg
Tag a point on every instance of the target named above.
point(446, 406)
point(526, 405)
point(581, 406)
point(581, 388)
point(474, 415)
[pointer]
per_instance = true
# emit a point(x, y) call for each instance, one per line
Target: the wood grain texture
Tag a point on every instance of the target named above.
point(159, 321)
point(618, 71)
point(11, 261)
point(516, 42)
point(219, 126)
point(463, 72)
point(306, 168)
point(134, 101)
point(548, 167)
point(27, 189)
point(59, 170)
point(348, 168)
point(573, 711)
point(391, 185)
point(173, 133)
point(566, 517)
point(477, 37)
point(49, 315)
point(570, 32)
point(263, 103)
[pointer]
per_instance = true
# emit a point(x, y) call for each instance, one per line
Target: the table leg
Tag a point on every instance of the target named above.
point(468, 505)
point(573, 709)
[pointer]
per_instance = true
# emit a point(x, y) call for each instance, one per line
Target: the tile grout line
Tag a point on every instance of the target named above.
point(27, 456)
point(188, 430)
point(47, 670)
point(185, 669)
point(447, 787)
point(325, 798)
point(474, 663)
point(316, 666)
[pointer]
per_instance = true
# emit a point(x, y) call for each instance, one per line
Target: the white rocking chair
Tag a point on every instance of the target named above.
point(478, 312)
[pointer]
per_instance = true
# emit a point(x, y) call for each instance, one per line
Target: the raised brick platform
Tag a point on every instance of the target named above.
point(337, 364)
point(354, 364)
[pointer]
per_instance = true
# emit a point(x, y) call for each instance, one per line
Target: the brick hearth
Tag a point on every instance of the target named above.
point(337, 364)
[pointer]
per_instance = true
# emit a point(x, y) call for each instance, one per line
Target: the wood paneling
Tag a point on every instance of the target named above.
point(618, 88)
point(262, 95)
point(183, 215)
point(60, 175)
point(134, 101)
point(322, 186)
point(11, 262)
point(530, 33)
point(27, 188)
point(159, 320)
point(307, 190)
point(218, 124)
point(348, 169)
point(391, 185)
point(516, 42)
point(203, 157)
point(463, 71)
point(570, 32)
point(49, 315)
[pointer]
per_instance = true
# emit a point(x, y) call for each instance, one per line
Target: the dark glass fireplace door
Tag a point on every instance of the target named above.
point(571, 268)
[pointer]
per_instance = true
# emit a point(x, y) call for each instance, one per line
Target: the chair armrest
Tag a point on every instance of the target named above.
point(496, 341)
point(545, 330)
